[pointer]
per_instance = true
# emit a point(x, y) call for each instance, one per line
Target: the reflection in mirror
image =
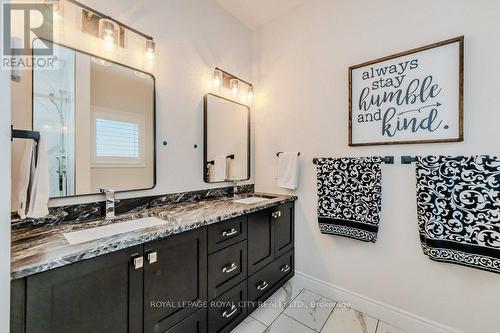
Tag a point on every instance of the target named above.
point(96, 119)
point(227, 140)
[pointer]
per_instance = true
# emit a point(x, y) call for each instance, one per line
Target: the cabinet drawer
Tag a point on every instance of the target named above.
point(265, 279)
point(283, 266)
point(196, 323)
point(261, 282)
point(227, 311)
point(226, 269)
point(224, 234)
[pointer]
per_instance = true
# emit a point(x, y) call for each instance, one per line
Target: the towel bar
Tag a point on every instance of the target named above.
point(279, 153)
point(386, 160)
point(23, 134)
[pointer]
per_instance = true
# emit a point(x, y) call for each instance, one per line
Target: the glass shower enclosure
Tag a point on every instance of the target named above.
point(54, 118)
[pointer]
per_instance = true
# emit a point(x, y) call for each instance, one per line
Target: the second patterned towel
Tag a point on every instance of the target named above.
point(350, 196)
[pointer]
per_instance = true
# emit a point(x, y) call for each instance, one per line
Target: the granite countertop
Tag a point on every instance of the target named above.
point(37, 249)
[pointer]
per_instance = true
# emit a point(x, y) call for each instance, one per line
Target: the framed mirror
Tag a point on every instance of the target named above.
point(97, 121)
point(226, 140)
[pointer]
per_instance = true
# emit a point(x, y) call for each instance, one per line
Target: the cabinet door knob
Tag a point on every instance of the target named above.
point(152, 257)
point(229, 268)
point(229, 233)
point(138, 262)
point(276, 214)
point(285, 269)
point(230, 312)
point(262, 286)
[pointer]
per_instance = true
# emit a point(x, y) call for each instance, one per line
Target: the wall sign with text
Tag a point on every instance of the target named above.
point(410, 97)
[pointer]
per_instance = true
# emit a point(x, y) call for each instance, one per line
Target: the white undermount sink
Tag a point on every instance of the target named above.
point(82, 236)
point(253, 200)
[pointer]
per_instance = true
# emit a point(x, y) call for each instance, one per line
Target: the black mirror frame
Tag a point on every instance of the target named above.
point(205, 140)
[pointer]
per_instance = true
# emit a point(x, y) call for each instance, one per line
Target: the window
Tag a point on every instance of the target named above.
point(116, 138)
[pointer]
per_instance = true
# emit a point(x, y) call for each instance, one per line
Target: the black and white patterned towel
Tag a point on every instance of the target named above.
point(458, 201)
point(350, 198)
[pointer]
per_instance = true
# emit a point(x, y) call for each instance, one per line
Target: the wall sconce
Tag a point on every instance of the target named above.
point(149, 56)
point(108, 33)
point(235, 86)
point(250, 94)
point(218, 77)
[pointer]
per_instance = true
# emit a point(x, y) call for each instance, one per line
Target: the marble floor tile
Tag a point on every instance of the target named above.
point(310, 309)
point(285, 324)
point(346, 320)
point(250, 325)
point(275, 305)
point(386, 328)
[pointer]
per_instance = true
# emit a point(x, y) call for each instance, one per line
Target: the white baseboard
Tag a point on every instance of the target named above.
point(405, 320)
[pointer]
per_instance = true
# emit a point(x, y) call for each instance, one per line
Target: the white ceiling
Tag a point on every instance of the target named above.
point(255, 13)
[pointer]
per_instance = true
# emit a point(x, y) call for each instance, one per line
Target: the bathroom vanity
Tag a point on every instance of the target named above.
point(203, 270)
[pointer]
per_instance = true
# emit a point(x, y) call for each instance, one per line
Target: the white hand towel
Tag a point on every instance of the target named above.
point(288, 170)
point(39, 197)
point(220, 168)
point(27, 164)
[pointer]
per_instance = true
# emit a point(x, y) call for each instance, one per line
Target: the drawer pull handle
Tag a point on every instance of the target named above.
point(285, 269)
point(152, 257)
point(232, 310)
point(138, 262)
point(276, 215)
point(229, 233)
point(229, 269)
point(263, 286)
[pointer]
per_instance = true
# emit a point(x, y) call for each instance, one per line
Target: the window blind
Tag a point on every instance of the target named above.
point(116, 139)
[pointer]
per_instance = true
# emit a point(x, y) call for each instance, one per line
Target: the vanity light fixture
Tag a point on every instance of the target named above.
point(108, 32)
point(235, 86)
point(218, 77)
point(149, 56)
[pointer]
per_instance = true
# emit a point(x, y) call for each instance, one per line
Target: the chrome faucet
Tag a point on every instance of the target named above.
point(110, 203)
point(235, 189)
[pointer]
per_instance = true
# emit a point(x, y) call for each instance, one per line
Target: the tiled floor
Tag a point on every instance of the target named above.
point(295, 310)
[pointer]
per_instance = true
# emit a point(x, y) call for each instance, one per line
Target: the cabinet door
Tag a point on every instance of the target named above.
point(175, 279)
point(284, 229)
point(89, 296)
point(260, 240)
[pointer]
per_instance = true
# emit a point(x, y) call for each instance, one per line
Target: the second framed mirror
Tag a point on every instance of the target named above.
point(226, 140)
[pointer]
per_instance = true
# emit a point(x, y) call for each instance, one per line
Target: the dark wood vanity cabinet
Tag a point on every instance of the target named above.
point(198, 281)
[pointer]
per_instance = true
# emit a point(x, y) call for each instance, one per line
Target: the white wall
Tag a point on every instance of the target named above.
point(302, 61)
point(193, 37)
point(4, 200)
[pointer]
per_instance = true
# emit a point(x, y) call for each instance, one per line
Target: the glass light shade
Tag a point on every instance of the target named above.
point(218, 78)
point(235, 86)
point(148, 64)
point(250, 94)
point(109, 34)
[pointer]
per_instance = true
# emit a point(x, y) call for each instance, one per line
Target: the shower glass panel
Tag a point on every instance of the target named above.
point(54, 118)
